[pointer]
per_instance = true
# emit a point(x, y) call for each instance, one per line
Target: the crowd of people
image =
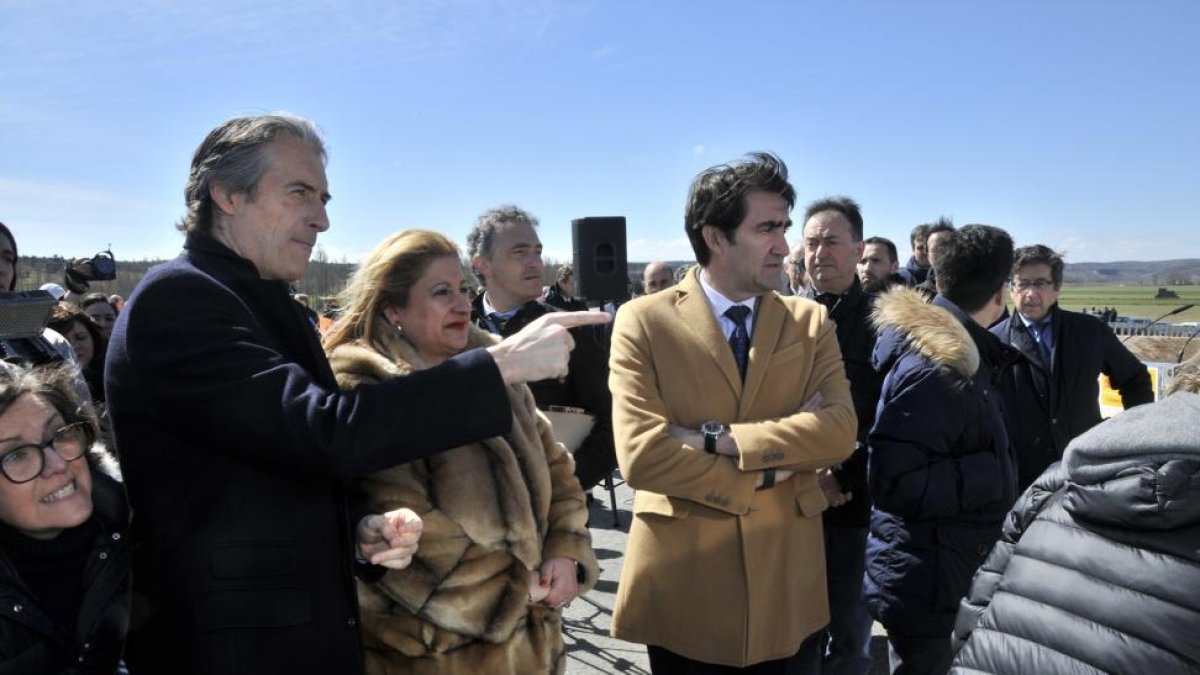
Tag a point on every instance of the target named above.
point(818, 439)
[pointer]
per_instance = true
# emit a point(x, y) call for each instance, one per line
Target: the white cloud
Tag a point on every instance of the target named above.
point(699, 149)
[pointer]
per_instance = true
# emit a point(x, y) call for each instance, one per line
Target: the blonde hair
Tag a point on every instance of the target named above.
point(1187, 376)
point(384, 279)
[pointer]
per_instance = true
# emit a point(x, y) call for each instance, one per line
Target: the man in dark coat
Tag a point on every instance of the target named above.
point(940, 471)
point(1098, 567)
point(917, 267)
point(506, 255)
point(935, 233)
point(237, 446)
point(832, 246)
point(1053, 394)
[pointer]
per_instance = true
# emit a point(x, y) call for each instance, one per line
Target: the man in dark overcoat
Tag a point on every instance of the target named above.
point(237, 447)
point(1053, 394)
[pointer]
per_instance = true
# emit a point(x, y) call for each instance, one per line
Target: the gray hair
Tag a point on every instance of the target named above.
point(234, 156)
point(483, 235)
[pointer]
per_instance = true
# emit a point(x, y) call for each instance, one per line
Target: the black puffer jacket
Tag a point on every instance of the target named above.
point(32, 644)
point(1098, 569)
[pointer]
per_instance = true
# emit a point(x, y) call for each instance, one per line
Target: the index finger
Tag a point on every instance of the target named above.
point(573, 319)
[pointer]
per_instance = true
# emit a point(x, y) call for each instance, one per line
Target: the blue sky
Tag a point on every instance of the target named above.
point(1073, 124)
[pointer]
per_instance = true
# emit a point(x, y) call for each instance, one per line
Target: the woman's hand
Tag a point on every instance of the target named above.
point(537, 592)
point(558, 578)
point(390, 539)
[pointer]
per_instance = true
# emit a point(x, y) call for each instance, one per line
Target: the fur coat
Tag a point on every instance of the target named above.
point(492, 511)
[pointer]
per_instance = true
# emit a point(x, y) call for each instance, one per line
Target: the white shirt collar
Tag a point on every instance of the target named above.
point(719, 304)
point(489, 309)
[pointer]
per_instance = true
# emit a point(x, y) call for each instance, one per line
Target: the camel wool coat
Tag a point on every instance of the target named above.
point(715, 570)
point(492, 511)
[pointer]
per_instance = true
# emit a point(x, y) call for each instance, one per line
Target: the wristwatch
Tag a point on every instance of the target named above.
point(712, 431)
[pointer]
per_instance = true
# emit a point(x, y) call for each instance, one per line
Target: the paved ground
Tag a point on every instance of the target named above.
point(590, 649)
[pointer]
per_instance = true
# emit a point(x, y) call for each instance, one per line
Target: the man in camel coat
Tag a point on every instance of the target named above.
point(727, 399)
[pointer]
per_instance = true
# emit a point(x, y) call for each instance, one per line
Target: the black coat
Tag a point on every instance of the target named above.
point(586, 387)
point(1098, 567)
point(1049, 407)
point(851, 313)
point(913, 274)
point(237, 450)
point(31, 643)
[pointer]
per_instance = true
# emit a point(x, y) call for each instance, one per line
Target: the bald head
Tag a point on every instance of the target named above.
point(793, 266)
point(657, 276)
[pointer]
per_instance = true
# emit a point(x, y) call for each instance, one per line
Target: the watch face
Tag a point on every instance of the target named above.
point(712, 428)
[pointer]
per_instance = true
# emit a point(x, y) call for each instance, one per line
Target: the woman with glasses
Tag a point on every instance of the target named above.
point(64, 566)
point(505, 543)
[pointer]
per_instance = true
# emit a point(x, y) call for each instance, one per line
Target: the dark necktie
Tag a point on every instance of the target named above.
point(1039, 336)
point(739, 341)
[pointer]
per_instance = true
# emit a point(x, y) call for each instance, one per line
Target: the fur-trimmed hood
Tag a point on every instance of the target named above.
point(905, 320)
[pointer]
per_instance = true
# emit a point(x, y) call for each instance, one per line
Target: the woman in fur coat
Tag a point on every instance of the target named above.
point(505, 544)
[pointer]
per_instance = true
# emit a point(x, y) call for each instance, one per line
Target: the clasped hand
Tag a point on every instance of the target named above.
point(555, 584)
point(389, 539)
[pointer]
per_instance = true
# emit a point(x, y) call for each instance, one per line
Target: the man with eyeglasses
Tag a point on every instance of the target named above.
point(1053, 392)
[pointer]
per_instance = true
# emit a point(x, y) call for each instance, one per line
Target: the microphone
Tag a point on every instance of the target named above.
point(1173, 312)
point(1179, 359)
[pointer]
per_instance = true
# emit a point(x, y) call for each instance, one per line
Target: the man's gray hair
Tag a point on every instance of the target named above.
point(483, 235)
point(234, 155)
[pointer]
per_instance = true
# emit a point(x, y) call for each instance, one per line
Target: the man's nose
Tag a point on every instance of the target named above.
point(321, 221)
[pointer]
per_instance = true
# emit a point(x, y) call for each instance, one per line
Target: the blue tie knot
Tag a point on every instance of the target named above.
point(738, 314)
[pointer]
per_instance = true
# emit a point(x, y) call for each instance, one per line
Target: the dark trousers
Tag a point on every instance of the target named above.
point(847, 649)
point(908, 655)
point(806, 661)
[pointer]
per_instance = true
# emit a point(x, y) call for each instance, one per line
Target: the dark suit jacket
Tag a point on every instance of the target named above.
point(1049, 407)
point(586, 386)
point(236, 445)
point(856, 338)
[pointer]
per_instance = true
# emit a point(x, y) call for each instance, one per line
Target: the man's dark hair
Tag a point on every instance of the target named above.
point(973, 264)
point(942, 224)
point(717, 196)
point(234, 155)
point(843, 205)
point(919, 234)
point(7, 234)
point(891, 248)
point(1039, 254)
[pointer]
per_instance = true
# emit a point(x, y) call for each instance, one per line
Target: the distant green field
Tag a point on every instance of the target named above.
point(1133, 301)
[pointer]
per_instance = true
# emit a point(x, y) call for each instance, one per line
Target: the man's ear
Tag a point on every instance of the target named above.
point(222, 198)
point(479, 265)
point(714, 238)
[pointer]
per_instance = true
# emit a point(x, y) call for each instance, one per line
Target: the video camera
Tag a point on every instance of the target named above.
point(80, 271)
point(23, 317)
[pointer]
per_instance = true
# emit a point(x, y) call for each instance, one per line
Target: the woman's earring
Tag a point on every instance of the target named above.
point(399, 328)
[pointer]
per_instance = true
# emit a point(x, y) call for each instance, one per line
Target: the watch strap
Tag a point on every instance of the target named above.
point(768, 479)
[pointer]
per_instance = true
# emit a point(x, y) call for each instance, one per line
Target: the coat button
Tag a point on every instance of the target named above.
point(103, 555)
point(351, 622)
point(116, 536)
point(18, 608)
point(982, 549)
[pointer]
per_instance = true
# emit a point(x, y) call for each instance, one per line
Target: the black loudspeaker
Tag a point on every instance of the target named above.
point(601, 266)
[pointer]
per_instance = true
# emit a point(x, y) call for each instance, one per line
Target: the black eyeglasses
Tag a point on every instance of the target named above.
point(1035, 284)
point(24, 463)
